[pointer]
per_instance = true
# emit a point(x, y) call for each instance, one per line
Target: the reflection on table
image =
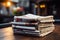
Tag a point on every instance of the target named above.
point(6, 34)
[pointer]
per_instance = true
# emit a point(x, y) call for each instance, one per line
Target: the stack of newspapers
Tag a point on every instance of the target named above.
point(46, 25)
point(33, 24)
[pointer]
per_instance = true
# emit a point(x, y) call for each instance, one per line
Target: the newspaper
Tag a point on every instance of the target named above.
point(44, 24)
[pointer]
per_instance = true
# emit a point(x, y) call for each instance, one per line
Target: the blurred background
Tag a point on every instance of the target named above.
point(11, 8)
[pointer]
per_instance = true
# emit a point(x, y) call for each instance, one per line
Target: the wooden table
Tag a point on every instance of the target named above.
point(7, 34)
point(55, 35)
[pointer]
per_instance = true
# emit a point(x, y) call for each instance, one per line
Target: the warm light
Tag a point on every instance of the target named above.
point(8, 4)
point(36, 6)
point(42, 6)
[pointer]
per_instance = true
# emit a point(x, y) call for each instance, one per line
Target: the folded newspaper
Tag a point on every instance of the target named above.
point(33, 24)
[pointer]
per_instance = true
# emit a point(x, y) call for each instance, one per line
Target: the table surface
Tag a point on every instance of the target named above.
point(7, 34)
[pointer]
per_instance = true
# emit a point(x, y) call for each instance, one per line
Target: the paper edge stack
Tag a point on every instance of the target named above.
point(41, 20)
point(46, 24)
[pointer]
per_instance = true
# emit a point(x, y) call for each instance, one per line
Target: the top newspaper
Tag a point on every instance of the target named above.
point(36, 17)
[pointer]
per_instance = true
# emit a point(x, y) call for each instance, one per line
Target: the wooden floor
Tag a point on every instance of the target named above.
point(55, 35)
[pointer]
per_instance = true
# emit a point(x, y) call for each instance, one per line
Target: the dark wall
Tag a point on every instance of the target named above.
point(50, 8)
point(6, 19)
